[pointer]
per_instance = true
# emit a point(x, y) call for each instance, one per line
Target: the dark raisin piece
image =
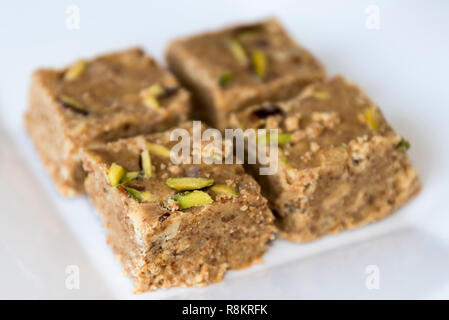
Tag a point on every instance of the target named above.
point(168, 92)
point(260, 43)
point(268, 111)
point(296, 59)
point(164, 217)
point(227, 218)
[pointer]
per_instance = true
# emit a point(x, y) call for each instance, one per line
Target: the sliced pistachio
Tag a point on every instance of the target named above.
point(282, 138)
point(372, 118)
point(259, 63)
point(151, 102)
point(151, 95)
point(73, 105)
point(146, 163)
point(148, 196)
point(189, 183)
point(225, 79)
point(136, 194)
point(192, 199)
point(158, 150)
point(225, 189)
point(115, 174)
point(75, 71)
point(237, 50)
point(403, 145)
point(155, 90)
point(321, 95)
point(129, 176)
point(140, 196)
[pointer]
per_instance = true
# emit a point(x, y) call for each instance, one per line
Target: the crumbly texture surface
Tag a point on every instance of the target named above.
point(230, 69)
point(343, 167)
point(161, 245)
point(101, 100)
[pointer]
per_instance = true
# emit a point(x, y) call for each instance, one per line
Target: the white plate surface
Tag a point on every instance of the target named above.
point(403, 66)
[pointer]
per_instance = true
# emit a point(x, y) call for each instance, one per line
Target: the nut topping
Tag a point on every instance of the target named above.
point(115, 174)
point(259, 63)
point(225, 190)
point(75, 71)
point(372, 118)
point(145, 161)
point(73, 105)
point(192, 199)
point(158, 150)
point(189, 183)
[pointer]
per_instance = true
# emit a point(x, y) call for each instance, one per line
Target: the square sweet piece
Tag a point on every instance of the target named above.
point(230, 69)
point(340, 164)
point(175, 225)
point(117, 95)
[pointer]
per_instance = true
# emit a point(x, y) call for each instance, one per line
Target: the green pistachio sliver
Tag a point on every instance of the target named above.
point(134, 193)
point(189, 183)
point(151, 102)
point(283, 138)
point(115, 174)
point(321, 95)
point(155, 90)
point(145, 196)
point(129, 176)
point(75, 71)
point(225, 79)
point(237, 50)
point(148, 197)
point(73, 104)
point(372, 118)
point(225, 189)
point(284, 160)
point(403, 145)
point(192, 199)
point(158, 150)
point(149, 96)
point(259, 63)
point(146, 163)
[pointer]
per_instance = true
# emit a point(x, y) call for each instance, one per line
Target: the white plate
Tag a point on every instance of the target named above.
point(403, 66)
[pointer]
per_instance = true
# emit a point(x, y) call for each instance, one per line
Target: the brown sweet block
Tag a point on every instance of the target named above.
point(158, 242)
point(94, 102)
point(343, 167)
point(242, 65)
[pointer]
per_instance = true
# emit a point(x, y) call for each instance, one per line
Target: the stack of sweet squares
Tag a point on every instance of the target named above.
point(103, 127)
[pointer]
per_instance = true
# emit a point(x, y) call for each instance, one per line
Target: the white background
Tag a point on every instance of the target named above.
point(403, 66)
